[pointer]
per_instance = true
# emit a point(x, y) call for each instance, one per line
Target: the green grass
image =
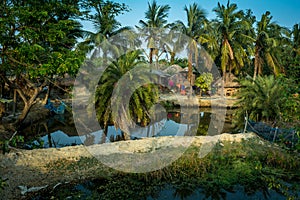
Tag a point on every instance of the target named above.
point(251, 164)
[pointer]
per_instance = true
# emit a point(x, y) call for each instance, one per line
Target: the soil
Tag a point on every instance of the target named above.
point(47, 168)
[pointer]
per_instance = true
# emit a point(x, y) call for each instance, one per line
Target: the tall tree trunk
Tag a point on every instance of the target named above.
point(224, 75)
point(104, 134)
point(105, 58)
point(151, 55)
point(229, 71)
point(259, 69)
point(190, 67)
point(223, 63)
point(172, 59)
point(256, 62)
point(2, 86)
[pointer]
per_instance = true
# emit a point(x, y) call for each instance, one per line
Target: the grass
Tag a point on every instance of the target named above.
point(254, 165)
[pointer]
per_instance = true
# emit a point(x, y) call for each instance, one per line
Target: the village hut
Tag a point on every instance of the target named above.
point(230, 87)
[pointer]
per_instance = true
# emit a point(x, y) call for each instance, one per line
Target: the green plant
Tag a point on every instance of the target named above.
point(265, 99)
point(12, 142)
point(3, 183)
point(141, 100)
point(252, 164)
point(17, 139)
point(204, 82)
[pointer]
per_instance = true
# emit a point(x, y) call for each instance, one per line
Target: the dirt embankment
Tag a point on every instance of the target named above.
point(27, 170)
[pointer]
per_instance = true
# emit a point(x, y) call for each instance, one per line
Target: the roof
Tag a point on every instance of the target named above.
point(231, 81)
point(173, 69)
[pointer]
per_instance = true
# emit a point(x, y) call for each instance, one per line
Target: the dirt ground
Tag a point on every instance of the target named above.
point(47, 168)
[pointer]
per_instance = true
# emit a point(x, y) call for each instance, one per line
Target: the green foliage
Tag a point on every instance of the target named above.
point(13, 142)
point(266, 99)
point(204, 81)
point(195, 26)
point(266, 42)
point(168, 105)
point(103, 16)
point(41, 40)
point(141, 100)
point(232, 27)
point(156, 20)
point(2, 100)
point(17, 139)
point(156, 16)
point(3, 184)
point(182, 62)
point(37, 44)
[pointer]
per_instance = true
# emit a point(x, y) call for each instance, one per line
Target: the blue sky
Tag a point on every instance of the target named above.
point(284, 12)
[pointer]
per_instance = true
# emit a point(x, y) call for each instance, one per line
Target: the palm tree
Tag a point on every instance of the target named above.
point(293, 54)
point(296, 39)
point(263, 99)
point(173, 42)
point(231, 27)
point(140, 102)
point(264, 43)
point(210, 40)
point(196, 20)
point(106, 25)
point(155, 21)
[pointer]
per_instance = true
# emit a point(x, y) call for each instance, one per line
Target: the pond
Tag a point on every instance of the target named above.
point(242, 178)
point(58, 131)
point(97, 189)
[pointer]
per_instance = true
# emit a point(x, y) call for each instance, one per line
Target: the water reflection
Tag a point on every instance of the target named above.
point(165, 127)
point(97, 189)
point(59, 133)
point(238, 192)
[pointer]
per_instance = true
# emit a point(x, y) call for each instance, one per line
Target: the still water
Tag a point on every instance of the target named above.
point(57, 132)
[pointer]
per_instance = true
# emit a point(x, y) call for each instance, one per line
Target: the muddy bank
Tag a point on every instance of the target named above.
point(48, 167)
point(209, 101)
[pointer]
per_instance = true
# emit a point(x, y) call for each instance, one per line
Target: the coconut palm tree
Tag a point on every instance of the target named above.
point(296, 39)
point(156, 20)
point(210, 40)
point(264, 43)
point(174, 43)
point(103, 16)
point(293, 54)
point(231, 26)
point(196, 21)
point(140, 102)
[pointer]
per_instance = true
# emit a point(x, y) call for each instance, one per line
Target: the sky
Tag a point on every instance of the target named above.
point(285, 12)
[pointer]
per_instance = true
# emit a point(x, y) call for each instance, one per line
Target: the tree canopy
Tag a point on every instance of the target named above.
point(37, 42)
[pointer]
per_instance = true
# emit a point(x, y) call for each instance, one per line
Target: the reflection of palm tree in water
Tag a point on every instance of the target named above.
point(90, 140)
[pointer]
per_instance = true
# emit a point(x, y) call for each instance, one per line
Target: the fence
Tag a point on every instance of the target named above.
point(288, 136)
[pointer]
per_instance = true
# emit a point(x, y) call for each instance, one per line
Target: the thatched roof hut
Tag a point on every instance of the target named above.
point(231, 85)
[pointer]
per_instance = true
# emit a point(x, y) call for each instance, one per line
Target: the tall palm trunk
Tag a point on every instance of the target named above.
point(172, 59)
point(190, 67)
point(256, 63)
point(151, 55)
